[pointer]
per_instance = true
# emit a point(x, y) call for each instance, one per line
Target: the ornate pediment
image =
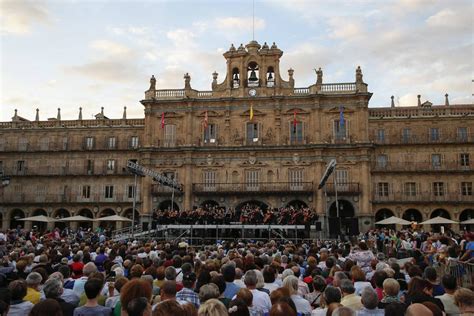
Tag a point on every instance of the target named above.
point(210, 162)
point(255, 113)
point(209, 114)
point(336, 109)
point(298, 111)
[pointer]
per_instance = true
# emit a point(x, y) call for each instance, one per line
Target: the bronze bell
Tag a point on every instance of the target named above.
point(253, 76)
point(236, 77)
point(270, 76)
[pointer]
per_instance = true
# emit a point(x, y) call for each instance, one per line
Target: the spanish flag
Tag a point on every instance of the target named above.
point(206, 123)
point(162, 119)
point(251, 112)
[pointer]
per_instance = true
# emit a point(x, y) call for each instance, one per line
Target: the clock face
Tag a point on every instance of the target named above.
point(252, 92)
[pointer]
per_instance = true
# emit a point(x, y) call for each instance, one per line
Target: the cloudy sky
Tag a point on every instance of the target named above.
point(72, 53)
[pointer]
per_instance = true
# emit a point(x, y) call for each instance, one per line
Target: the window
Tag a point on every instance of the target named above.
point(340, 130)
point(381, 135)
point(130, 191)
point(22, 144)
point(20, 167)
point(382, 189)
point(1, 168)
point(170, 175)
point(210, 134)
point(382, 161)
point(434, 134)
point(109, 191)
point(65, 143)
point(296, 179)
point(90, 166)
point(464, 160)
point(406, 135)
point(252, 179)
point(44, 144)
point(438, 188)
point(342, 178)
point(462, 134)
point(89, 142)
point(252, 132)
point(296, 132)
point(209, 179)
point(86, 191)
point(134, 142)
point(111, 142)
point(40, 192)
point(110, 165)
point(466, 188)
point(170, 135)
point(409, 188)
point(436, 161)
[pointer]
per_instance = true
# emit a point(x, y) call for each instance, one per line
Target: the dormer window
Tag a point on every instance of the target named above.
point(252, 73)
point(270, 77)
point(235, 78)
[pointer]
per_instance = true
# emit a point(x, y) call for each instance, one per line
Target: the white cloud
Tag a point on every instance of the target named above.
point(111, 48)
point(238, 24)
point(181, 37)
point(19, 17)
point(344, 29)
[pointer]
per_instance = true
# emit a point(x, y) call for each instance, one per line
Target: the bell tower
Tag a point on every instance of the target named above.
point(252, 67)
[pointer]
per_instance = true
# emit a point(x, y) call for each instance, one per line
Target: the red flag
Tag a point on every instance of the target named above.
point(294, 121)
point(205, 121)
point(163, 120)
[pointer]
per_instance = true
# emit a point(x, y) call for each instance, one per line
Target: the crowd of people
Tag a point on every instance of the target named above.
point(247, 214)
point(60, 274)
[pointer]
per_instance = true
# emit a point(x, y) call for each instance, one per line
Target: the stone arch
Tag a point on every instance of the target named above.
point(15, 215)
point(40, 226)
point(343, 222)
point(104, 213)
point(253, 71)
point(442, 213)
point(210, 203)
point(383, 213)
point(465, 215)
point(412, 215)
point(166, 205)
point(296, 204)
point(58, 214)
point(86, 213)
point(261, 204)
point(129, 214)
point(39, 211)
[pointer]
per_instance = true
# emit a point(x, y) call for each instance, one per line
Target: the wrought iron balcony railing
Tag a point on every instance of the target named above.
point(252, 188)
point(348, 188)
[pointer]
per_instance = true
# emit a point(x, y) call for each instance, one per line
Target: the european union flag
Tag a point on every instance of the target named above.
point(341, 117)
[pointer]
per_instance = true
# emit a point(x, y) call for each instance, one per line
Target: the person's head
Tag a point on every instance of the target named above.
point(238, 307)
point(338, 276)
point(291, 283)
point(212, 307)
point(430, 274)
point(391, 287)
point(65, 271)
point(169, 307)
point(228, 272)
point(18, 290)
point(168, 290)
point(418, 309)
point(269, 274)
point(464, 299)
point(449, 283)
point(33, 280)
point(343, 311)
point(357, 274)
point(419, 285)
point(92, 288)
point(189, 309)
point(379, 277)
point(369, 298)
point(48, 307)
point(170, 273)
point(133, 289)
point(434, 308)
point(89, 268)
point(347, 287)
point(220, 282)
point(395, 309)
point(278, 294)
point(119, 283)
point(332, 295)
point(250, 279)
point(245, 296)
point(208, 291)
point(189, 279)
point(281, 308)
point(139, 306)
point(319, 284)
point(53, 288)
point(136, 271)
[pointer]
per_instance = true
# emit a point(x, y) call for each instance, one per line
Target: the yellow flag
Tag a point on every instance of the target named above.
point(251, 112)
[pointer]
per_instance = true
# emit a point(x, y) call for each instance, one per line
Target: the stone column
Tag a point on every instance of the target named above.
point(188, 183)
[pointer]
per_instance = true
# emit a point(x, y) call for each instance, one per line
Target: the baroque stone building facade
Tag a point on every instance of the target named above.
point(253, 138)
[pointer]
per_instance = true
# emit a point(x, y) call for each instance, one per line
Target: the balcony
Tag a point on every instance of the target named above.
point(348, 188)
point(424, 139)
point(396, 166)
point(252, 188)
point(160, 190)
point(33, 198)
point(422, 198)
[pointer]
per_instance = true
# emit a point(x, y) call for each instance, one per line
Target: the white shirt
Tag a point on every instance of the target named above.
point(271, 286)
point(302, 305)
point(261, 300)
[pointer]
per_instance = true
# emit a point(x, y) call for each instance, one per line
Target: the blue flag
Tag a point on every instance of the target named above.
point(341, 116)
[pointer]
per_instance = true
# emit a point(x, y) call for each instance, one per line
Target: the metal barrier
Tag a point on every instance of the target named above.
point(462, 271)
